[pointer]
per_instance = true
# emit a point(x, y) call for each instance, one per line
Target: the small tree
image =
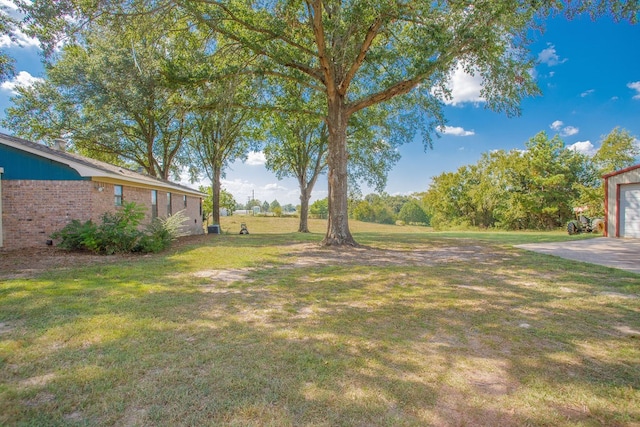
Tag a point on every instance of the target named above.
point(275, 208)
point(227, 201)
point(320, 208)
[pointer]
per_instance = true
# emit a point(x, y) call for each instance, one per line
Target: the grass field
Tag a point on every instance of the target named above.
point(413, 328)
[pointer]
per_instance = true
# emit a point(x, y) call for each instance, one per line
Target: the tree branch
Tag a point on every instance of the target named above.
point(400, 88)
point(371, 35)
point(315, 18)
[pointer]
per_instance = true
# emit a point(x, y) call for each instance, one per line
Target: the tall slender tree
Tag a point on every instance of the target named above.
point(222, 131)
point(297, 147)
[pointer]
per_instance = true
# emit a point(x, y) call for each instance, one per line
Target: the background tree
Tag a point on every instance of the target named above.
point(374, 208)
point(618, 150)
point(448, 201)
point(275, 208)
point(546, 186)
point(227, 201)
point(412, 213)
point(532, 189)
point(319, 208)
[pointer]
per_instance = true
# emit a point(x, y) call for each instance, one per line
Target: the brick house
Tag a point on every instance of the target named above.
point(42, 189)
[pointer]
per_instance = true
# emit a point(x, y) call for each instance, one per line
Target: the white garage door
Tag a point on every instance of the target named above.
point(630, 210)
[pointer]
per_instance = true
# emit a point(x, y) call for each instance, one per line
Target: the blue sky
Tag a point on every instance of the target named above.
point(589, 74)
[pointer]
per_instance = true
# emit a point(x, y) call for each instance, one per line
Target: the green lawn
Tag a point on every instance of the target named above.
point(414, 328)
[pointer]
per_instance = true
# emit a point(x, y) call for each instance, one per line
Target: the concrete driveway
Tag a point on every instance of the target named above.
point(617, 253)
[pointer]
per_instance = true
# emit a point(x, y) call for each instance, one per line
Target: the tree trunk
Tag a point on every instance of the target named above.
point(338, 233)
point(215, 187)
point(305, 195)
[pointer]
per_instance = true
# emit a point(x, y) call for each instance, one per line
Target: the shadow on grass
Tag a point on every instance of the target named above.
point(517, 339)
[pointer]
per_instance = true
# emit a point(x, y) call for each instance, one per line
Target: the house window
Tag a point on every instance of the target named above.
point(154, 204)
point(168, 204)
point(184, 201)
point(117, 192)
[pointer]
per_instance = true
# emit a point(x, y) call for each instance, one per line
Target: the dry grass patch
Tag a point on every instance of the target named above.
point(270, 329)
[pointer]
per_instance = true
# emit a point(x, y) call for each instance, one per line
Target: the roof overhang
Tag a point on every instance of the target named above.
point(97, 174)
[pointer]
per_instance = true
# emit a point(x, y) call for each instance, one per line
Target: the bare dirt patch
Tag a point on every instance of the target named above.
point(309, 255)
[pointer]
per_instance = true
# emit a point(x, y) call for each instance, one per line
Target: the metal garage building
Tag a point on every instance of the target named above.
point(622, 202)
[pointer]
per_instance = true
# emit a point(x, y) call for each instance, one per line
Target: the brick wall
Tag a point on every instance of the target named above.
point(32, 210)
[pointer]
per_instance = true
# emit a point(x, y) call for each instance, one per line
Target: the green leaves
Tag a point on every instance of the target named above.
point(532, 189)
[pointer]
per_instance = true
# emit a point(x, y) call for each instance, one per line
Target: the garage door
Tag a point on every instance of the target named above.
point(630, 210)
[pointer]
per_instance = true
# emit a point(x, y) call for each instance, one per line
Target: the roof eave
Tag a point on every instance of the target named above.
point(95, 173)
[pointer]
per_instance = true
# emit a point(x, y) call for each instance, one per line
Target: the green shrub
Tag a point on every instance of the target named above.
point(78, 236)
point(119, 232)
point(161, 232)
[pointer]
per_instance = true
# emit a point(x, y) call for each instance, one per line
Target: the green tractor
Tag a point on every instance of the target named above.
point(584, 224)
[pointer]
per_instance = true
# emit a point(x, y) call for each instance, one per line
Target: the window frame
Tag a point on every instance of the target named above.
point(154, 204)
point(118, 197)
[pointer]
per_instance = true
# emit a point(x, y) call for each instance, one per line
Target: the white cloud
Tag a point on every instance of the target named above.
point(455, 131)
point(559, 127)
point(20, 39)
point(569, 130)
point(256, 158)
point(8, 4)
point(549, 56)
point(464, 87)
point(587, 93)
point(635, 86)
point(22, 79)
point(274, 186)
point(584, 147)
point(240, 188)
